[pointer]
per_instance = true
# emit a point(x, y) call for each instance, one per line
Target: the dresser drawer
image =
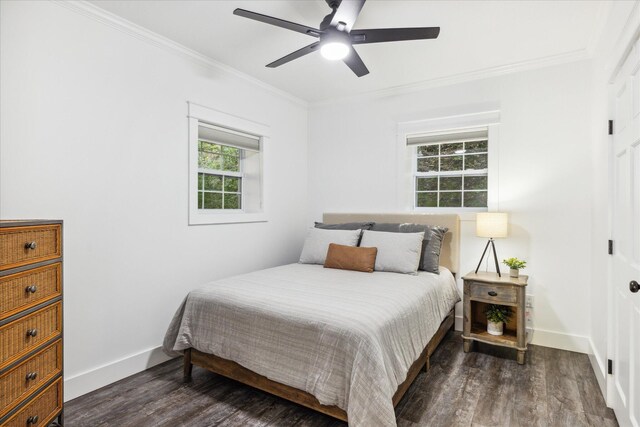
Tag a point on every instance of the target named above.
point(25, 245)
point(41, 410)
point(29, 288)
point(25, 334)
point(24, 379)
point(493, 294)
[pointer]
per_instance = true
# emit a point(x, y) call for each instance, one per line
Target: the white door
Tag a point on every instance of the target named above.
point(626, 235)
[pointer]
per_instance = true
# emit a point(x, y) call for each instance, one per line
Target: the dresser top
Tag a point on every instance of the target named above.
point(25, 222)
point(491, 277)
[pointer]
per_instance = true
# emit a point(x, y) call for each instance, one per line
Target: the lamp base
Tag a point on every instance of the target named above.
point(495, 257)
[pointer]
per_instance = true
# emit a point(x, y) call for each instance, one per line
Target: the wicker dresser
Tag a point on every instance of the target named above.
point(30, 323)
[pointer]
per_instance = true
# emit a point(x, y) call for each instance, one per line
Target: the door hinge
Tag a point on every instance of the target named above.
point(610, 127)
point(610, 366)
point(610, 247)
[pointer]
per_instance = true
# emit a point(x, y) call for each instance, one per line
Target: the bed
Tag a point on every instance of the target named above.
point(344, 343)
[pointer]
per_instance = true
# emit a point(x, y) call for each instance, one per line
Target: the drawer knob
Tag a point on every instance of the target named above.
point(32, 419)
point(32, 332)
point(32, 289)
point(32, 376)
point(30, 245)
point(493, 293)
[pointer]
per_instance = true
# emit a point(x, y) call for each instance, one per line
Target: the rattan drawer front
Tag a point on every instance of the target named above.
point(26, 245)
point(493, 294)
point(45, 406)
point(24, 379)
point(29, 288)
point(14, 339)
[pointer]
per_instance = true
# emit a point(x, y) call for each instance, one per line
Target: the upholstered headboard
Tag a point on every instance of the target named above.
point(450, 254)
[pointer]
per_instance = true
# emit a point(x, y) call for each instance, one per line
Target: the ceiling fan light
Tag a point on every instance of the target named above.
point(334, 51)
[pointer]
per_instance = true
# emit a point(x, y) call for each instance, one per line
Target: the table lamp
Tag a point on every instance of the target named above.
point(492, 225)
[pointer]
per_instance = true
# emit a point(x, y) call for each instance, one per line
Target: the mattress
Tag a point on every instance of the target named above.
point(346, 337)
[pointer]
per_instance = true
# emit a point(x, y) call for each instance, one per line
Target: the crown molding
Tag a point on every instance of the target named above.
point(532, 64)
point(114, 21)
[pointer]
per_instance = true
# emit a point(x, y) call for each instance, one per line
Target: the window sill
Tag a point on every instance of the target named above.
point(226, 218)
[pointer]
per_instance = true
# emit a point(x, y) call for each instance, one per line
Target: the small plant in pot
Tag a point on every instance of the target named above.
point(497, 316)
point(515, 265)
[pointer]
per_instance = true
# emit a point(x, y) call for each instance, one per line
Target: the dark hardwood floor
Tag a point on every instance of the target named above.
point(554, 388)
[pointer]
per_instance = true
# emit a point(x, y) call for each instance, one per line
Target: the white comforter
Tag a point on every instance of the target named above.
point(346, 337)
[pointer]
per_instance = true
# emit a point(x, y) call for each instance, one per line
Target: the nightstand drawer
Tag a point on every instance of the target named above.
point(29, 288)
point(25, 334)
point(493, 294)
point(24, 379)
point(26, 245)
point(41, 410)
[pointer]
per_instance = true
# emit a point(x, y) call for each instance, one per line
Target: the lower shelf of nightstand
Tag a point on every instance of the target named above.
point(479, 333)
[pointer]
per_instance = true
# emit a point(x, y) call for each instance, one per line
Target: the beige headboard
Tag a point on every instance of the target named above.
point(450, 253)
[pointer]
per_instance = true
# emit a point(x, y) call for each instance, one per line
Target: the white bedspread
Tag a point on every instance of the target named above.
point(346, 337)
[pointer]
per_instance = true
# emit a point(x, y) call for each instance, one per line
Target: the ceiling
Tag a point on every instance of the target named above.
point(475, 36)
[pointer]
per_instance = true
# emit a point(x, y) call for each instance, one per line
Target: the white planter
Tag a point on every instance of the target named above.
point(494, 328)
point(514, 273)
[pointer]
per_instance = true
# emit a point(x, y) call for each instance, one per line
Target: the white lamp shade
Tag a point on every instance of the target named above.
point(492, 224)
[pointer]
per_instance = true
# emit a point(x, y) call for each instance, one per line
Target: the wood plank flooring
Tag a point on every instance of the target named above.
point(485, 388)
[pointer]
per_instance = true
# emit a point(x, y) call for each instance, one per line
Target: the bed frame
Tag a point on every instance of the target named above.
point(448, 258)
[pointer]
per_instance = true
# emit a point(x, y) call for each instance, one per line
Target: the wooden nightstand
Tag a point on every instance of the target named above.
point(482, 289)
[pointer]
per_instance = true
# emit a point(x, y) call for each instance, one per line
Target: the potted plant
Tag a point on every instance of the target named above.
point(515, 265)
point(497, 316)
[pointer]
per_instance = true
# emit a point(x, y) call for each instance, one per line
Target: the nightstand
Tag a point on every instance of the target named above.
point(482, 289)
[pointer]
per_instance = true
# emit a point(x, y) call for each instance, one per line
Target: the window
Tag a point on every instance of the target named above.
point(226, 168)
point(451, 169)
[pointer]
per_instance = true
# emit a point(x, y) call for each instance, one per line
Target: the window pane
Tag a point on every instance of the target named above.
point(209, 147)
point(200, 199)
point(213, 182)
point(212, 200)
point(429, 150)
point(231, 184)
point(200, 181)
point(231, 164)
point(427, 200)
point(429, 164)
point(476, 147)
point(453, 163)
point(450, 148)
point(450, 183)
point(427, 184)
point(231, 201)
point(476, 161)
point(475, 199)
point(475, 183)
point(230, 151)
point(209, 161)
point(451, 200)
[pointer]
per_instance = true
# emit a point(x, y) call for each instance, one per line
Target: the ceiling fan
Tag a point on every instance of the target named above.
point(337, 36)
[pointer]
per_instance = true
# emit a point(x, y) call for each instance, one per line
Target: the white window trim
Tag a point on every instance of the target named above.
point(406, 157)
point(199, 113)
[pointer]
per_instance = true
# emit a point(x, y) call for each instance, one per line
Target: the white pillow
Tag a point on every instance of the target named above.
point(317, 242)
point(398, 252)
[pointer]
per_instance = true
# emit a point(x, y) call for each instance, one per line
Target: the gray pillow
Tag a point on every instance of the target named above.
point(431, 245)
point(397, 252)
point(346, 226)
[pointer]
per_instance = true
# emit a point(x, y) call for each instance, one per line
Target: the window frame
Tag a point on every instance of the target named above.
point(198, 115)
point(223, 173)
point(406, 157)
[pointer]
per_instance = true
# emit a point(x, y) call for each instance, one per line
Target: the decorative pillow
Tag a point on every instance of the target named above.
point(317, 243)
point(351, 258)
point(346, 226)
point(431, 245)
point(398, 252)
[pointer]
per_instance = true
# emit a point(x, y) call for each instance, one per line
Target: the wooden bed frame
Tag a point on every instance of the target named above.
point(230, 369)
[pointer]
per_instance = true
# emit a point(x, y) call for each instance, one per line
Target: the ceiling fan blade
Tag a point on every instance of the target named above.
point(354, 62)
point(347, 12)
point(295, 55)
point(381, 35)
point(299, 28)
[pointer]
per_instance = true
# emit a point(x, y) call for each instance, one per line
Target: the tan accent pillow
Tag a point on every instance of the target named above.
point(351, 258)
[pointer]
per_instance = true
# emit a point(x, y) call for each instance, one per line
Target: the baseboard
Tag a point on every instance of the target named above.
point(458, 325)
point(108, 373)
point(599, 368)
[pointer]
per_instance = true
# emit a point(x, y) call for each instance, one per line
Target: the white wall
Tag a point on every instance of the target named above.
point(543, 163)
point(94, 131)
